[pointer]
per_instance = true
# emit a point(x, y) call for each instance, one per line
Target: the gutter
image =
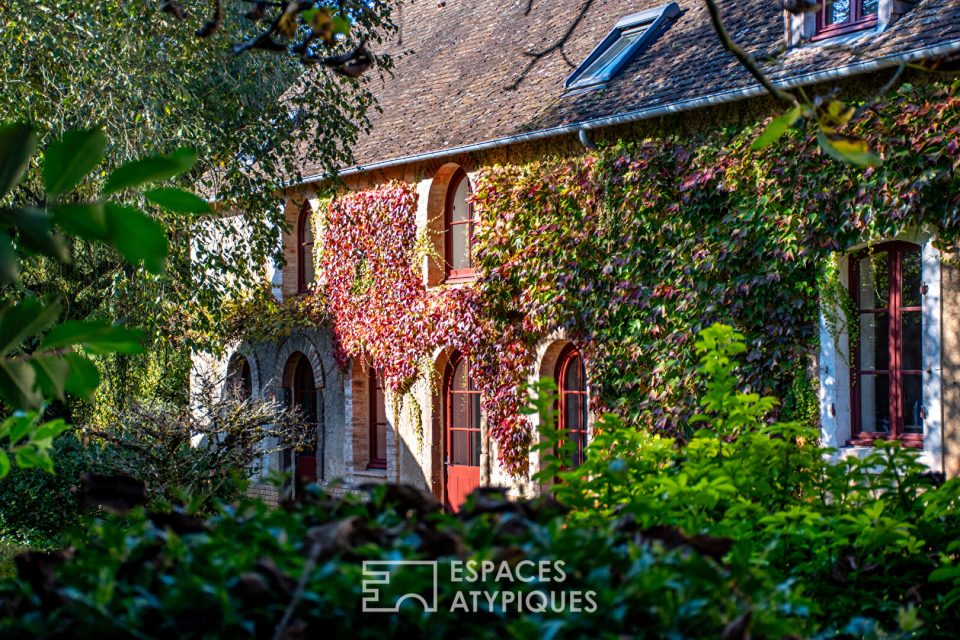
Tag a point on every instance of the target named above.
point(637, 115)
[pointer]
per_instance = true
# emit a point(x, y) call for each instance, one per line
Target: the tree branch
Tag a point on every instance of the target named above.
point(743, 57)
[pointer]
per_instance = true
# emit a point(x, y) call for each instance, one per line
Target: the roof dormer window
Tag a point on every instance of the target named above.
point(620, 46)
point(837, 17)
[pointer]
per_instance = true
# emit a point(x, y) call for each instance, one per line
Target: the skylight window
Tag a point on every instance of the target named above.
point(620, 46)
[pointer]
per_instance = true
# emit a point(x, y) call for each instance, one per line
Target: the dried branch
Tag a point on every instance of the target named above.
point(745, 59)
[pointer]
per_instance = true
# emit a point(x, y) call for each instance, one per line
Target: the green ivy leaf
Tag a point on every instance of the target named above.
point(777, 127)
point(18, 142)
point(177, 200)
point(67, 161)
point(137, 236)
point(152, 169)
point(4, 464)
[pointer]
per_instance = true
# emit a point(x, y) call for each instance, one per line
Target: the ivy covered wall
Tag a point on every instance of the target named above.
point(633, 248)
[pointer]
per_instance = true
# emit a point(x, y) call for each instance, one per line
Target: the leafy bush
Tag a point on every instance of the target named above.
point(199, 455)
point(37, 507)
point(747, 531)
point(860, 536)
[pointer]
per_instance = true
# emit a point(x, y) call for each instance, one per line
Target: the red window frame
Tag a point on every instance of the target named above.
point(377, 418)
point(571, 356)
point(454, 275)
point(894, 312)
point(856, 22)
point(469, 428)
point(304, 249)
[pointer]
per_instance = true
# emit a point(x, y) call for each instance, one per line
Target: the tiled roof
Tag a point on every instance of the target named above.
point(452, 90)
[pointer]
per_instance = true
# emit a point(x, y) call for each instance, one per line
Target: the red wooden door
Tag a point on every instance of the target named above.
point(462, 435)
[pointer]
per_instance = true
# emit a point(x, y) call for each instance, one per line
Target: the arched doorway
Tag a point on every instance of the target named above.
point(301, 393)
point(462, 433)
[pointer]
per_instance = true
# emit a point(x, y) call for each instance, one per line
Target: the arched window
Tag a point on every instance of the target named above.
point(240, 378)
point(305, 274)
point(459, 228)
point(572, 383)
point(887, 351)
point(377, 421)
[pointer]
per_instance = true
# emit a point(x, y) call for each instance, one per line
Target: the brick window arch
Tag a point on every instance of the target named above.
point(837, 17)
point(305, 275)
point(886, 374)
point(459, 227)
point(572, 382)
point(377, 421)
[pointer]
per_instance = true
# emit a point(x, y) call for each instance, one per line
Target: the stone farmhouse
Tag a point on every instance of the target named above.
point(467, 96)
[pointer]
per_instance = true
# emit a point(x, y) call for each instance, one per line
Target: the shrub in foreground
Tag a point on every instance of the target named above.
point(748, 531)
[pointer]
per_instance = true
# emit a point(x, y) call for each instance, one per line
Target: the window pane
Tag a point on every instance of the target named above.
point(308, 264)
point(912, 403)
point(381, 452)
point(459, 411)
point(475, 410)
point(838, 11)
point(869, 7)
point(574, 378)
point(875, 404)
point(459, 210)
point(459, 382)
point(458, 247)
point(610, 56)
point(459, 449)
point(571, 417)
point(475, 448)
point(874, 281)
point(912, 341)
point(380, 408)
point(912, 280)
point(874, 335)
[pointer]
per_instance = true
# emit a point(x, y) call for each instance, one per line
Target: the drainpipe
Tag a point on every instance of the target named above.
point(584, 139)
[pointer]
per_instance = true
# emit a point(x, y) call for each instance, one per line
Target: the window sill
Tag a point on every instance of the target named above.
point(910, 441)
point(844, 29)
point(377, 474)
point(460, 278)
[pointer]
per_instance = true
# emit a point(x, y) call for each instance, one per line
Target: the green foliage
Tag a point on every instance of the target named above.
point(868, 537)
point(42, 360)
point(38, 508)
point(631, 249)
point(749, 535)
point(256, 122)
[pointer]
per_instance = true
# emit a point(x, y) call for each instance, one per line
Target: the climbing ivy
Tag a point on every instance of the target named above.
point(633, 249)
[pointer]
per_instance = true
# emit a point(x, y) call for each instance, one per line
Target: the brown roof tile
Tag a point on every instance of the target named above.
point(452, 89)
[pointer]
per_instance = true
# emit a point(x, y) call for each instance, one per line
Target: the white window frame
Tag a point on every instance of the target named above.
point(834, 359)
